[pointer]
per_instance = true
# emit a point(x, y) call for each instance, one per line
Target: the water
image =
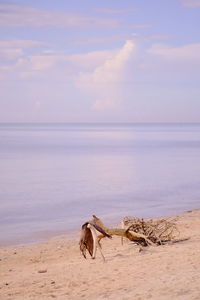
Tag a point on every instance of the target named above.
point(55, 176)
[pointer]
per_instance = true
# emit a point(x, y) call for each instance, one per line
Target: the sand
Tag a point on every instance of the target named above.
point(56, 269)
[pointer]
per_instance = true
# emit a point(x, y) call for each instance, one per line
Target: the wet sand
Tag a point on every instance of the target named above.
point(56, 269)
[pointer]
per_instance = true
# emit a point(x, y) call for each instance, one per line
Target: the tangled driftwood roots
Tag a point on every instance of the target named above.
point(143, 233)
point(158, 231)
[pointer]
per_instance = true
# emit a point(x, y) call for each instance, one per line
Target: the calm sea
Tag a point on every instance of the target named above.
point(55, 176)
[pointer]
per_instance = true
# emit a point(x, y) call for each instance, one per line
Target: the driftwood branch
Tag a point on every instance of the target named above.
point(90, 237)
point(123, 232)
point(158, 231)
point(143, 233)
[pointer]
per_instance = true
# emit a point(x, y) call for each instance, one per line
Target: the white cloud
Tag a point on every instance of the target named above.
point(12, 49)
point(37, 105)
point(106, 102)
point(21, 44)
point(190, 3)
point(23, 16)
point(44, 62)
point(17, 59)
point(184, 53)
point(140, 26)
point(98, 73)
point(105, 40)
point(84, 61)
point(111, 70)
point(11, 53)
point(160, 36)
point(104, 82)
point(115, 11)
point(91, 59)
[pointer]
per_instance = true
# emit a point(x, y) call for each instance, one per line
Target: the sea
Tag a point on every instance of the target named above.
point(54, 177)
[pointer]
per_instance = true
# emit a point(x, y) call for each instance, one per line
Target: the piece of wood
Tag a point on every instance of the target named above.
point(90, 239)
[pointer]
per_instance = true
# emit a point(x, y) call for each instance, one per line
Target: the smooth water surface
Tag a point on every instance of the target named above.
point(55, 176)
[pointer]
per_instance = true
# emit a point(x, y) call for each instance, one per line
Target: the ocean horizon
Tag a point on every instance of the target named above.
point(54, 176)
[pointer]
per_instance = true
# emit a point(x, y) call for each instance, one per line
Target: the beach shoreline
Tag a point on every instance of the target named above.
point(56, 269)
point(32, 241)
point(40, 237)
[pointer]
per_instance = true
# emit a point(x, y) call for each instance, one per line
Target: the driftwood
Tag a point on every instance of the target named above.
point(140, 231)
point(90, 240)
point(159, 231)
point(86, 241)
point(133, 236)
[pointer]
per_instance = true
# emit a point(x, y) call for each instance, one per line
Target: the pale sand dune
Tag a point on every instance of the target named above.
point(162, 272)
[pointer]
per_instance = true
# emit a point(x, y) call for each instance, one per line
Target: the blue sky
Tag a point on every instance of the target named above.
point(100, 61)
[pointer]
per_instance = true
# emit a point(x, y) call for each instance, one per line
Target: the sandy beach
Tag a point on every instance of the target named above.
point(56, 269)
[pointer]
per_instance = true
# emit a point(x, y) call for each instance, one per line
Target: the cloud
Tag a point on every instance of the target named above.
point(98, 40)
point(43, 62)
point(91, 59)
point(14, 57)
point(23, 16)
point(186, 53)
point(11, 53)
point(37, 105)
point(190, 3)
point(115, 11)
point(96, 73)
point(110, 70)
point(21, 44)
point(140, 26)
point(160, 36)
point(95, 40)
point(106, 103)
point(104, 83)
point(83, 61)
point(12, 49)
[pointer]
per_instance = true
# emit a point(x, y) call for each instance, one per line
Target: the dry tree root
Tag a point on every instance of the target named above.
point(143, 233)
point(159, 232)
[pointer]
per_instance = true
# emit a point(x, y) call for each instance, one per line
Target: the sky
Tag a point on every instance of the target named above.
point(100, 61)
